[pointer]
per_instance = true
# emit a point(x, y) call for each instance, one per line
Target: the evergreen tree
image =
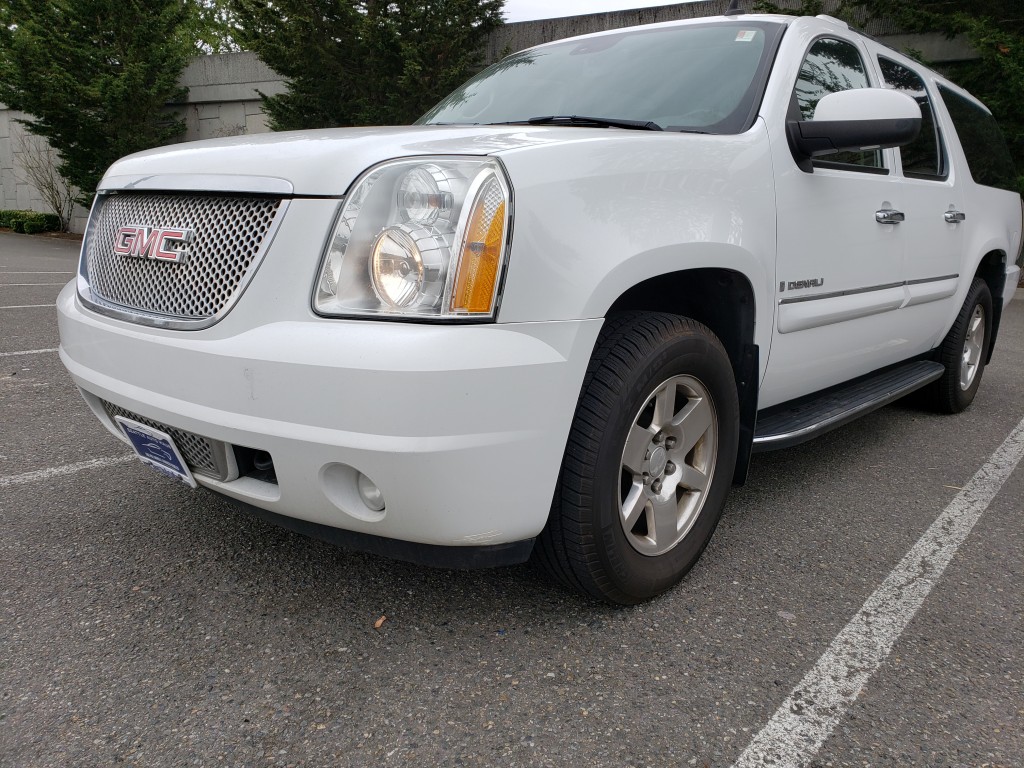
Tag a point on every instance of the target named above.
point(211, 27)
point(363, 62)
point(94, 75)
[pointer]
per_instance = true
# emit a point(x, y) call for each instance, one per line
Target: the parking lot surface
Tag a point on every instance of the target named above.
point(142, 623)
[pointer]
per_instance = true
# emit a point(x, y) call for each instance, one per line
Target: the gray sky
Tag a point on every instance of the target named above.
point(524, 10)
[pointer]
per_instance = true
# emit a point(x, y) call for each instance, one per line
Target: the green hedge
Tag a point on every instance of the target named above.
point(30, 222)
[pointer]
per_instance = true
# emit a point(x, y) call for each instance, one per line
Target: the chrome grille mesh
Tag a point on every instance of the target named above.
point(195, 450)
point(229, 237)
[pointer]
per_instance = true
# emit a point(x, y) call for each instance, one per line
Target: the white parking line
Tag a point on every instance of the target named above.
point(29, 306)
point(799, 727)
point(28, 352)
point(22, 285)
point(67, 469)
point(6, 272)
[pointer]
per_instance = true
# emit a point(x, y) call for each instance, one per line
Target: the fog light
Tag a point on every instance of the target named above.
point(370, 493)
point(352, 492)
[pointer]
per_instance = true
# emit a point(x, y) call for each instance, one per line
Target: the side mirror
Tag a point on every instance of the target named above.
point(854, 121)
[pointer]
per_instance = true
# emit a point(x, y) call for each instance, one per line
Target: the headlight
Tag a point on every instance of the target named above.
point(422, 237)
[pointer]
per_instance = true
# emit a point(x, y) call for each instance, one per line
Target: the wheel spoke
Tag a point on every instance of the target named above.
point(635, 451)
point(664, 406)
point(975, 324)
point(666, 520)
point(693, 479)
point(634, 506)
point(693, 422)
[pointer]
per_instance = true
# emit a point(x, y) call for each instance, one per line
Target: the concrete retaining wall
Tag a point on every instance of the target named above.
point(15, 191)
point(224, 95)
point(224, 90)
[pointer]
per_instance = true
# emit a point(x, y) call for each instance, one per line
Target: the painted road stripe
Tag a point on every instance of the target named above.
point(6, 272)
point(29, 306)
point(799, 727)
point(25, 285)
point(28, 352)
point(67, 469)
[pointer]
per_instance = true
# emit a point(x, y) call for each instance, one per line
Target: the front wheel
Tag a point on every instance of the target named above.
point(649, 462)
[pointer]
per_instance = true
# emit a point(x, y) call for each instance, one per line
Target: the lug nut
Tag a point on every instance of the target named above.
point(647, 478)
point(659, 438)
point(656, 486)
point(670, 442)
point(670, 468)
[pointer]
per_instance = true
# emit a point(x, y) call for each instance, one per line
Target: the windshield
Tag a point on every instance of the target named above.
point(706, 77)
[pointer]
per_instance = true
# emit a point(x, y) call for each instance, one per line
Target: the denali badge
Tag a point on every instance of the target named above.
point(796, 285)
point(153, 243)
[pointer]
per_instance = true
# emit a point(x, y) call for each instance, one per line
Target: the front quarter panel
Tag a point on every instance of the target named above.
point(596, 217)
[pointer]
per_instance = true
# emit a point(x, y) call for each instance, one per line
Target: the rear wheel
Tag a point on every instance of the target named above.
point(649, 461)
point(963, 352)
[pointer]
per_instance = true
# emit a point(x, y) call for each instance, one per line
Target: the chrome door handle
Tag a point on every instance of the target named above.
point(889, 216)
point(954, 217)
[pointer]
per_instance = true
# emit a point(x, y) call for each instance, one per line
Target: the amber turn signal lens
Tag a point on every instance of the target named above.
point(480, 260)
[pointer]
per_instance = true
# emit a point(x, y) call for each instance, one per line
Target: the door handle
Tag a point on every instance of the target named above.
point(954, 217)
point(889, 216)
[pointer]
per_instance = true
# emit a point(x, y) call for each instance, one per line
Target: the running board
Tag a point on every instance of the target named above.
point(810, 417)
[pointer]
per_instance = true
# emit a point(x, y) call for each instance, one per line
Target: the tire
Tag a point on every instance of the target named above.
point(648, 370)
point(963, 352)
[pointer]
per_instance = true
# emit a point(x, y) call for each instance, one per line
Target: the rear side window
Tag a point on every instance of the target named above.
point(984, 146)
point(833, 65)
point(923, 158)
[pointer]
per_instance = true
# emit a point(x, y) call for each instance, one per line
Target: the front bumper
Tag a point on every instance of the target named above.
point(462, 427)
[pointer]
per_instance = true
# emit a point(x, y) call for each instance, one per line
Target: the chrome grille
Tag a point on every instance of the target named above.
point(197, 451)
point(231, 234)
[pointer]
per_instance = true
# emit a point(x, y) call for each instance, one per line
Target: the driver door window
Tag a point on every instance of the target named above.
point(830, 66)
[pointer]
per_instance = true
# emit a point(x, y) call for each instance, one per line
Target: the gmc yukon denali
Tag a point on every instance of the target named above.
point(558, 315)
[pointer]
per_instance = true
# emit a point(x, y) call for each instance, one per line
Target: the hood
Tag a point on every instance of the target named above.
point(322, 162)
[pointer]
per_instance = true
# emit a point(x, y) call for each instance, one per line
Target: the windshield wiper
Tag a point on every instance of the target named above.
point(583, 121)
point(600, 122)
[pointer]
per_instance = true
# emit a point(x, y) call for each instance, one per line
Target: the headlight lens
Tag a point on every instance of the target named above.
point(406, 268)
point(423, 237)
point(425, 195)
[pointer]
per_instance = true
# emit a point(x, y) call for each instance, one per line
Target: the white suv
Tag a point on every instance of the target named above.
point(559, 314)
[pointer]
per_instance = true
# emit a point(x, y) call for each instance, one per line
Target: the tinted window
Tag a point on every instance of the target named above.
point(831, 66)
point(706, 77)
point(924, 156)
point(984, 146)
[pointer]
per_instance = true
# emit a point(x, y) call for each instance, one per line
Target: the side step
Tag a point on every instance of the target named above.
point(797, 422)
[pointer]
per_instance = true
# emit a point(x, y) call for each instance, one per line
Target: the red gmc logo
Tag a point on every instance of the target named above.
point(153, 243)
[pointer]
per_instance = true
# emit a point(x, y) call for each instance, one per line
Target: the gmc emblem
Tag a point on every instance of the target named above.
point(153, 243)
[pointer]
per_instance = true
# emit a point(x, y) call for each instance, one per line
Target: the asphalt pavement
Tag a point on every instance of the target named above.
point(145, 624)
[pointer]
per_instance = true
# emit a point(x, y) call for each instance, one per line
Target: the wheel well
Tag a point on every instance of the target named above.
point(721, 299)
point(992, 270)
